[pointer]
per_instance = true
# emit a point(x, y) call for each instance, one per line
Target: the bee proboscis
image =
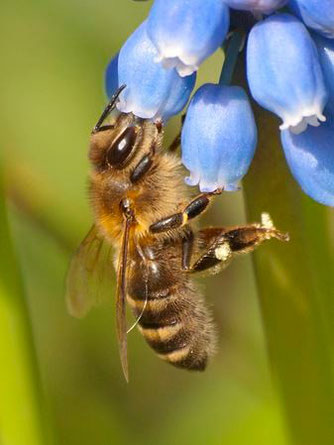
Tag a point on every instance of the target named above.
point(143, 210)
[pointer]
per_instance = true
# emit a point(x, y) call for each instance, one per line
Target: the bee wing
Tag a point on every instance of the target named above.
point(89, 278)
point(121, 327)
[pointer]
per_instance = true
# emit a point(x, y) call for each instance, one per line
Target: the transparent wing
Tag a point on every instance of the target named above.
point(90, 275)
point(121, 326)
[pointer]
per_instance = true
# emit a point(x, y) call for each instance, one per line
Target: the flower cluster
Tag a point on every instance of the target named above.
point(289, 69)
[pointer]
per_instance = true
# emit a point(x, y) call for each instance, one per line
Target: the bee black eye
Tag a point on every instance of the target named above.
point(121, 149)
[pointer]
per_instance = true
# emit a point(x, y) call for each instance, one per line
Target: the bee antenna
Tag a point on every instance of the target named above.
point(111, 105)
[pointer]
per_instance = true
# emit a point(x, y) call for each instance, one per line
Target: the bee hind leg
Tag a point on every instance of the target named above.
point(214, 247)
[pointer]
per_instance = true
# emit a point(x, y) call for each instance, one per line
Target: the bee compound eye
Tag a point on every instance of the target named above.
point(121, 149)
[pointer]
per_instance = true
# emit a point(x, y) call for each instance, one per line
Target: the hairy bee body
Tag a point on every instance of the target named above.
point(143, 209)
point(173, 318)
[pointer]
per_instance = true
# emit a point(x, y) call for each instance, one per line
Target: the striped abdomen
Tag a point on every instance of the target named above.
point(175, 322)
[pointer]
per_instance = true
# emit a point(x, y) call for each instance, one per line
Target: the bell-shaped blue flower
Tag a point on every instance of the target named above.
point(256, 6)
point(284, 72)
point(111, 76)
point(326, 55)
point(316, 14)
point(219, 137)
point(152, 91)
point(310, 156)
point(187, 32)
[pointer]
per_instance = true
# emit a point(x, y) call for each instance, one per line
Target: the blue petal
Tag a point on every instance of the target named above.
point(187, 32)
point(111, 76)
point(310, 156)
point(326, 54)
point(152, 91)
point(219, 137)
point(316, 14)
point(284, 72)
point(256, 6)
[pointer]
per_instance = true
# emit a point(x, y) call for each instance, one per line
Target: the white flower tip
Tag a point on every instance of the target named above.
point(299, 124)
point(208, 188)
point(192, 180)
point(126, 106)
point(181, 67)
point(186, 70)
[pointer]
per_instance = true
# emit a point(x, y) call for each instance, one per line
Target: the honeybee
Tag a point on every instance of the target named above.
point(143, 209)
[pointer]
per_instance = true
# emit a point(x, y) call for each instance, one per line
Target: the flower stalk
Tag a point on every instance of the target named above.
point(232, 51)
point(295, 285)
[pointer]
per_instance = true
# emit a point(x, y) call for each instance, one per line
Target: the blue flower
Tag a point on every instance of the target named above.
point(186, 32)
point(256, 6)
point(111, 76)
point(326, 54)
point(152, 91)
point(290, 72)
point(310, 156)
point(316, 14)
point(219, 137)
point(284, 72)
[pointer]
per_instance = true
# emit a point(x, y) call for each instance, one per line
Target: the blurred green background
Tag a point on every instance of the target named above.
point(55, 52)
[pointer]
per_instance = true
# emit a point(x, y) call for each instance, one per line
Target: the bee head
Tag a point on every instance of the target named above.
point(113, 146)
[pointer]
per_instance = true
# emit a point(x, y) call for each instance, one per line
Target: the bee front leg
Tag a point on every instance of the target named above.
point(195, 208)
point(143, 165)
point(214, 248)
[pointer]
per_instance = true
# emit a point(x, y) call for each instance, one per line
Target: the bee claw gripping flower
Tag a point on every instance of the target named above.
point(284, 72)
point(186, 32)
point(152, 91)
point(219, 137)
point(316, 14)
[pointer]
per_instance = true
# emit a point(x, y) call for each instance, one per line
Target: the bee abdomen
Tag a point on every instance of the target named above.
point(177, 326)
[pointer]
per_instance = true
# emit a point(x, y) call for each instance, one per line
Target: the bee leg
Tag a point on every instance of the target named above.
point(177, 140)
point(143, 165)
point(111, 105)
point(187, 249)
point(196, 207)
point(216, 247)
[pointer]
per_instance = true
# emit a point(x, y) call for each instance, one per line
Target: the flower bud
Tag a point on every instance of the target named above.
point(256, 6)
point(284, 72)
point(186, 32)
point(310, 156)
point(152, 91)
point(219, 137)
point(316, 14)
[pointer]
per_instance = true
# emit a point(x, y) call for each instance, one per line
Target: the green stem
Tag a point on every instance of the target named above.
point(231, 56)
point(296, 287)
point(20, 409)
